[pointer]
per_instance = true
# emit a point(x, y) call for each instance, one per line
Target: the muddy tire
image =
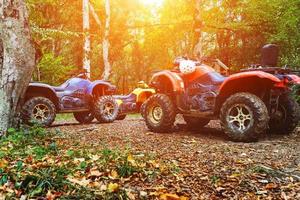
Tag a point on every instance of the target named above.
point(195, 123)
point(143, 109)
point(286, 118)
point(84, 117)
point(244, 117)
point(159, 113)
point(39, 110)
point(106, 109)
point(121, 117)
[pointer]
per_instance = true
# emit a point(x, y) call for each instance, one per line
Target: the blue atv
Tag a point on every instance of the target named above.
point(85, 99)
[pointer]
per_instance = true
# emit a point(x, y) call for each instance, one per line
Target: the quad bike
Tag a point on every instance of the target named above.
point(85, 99)
point(248, 103)
point(134, 102)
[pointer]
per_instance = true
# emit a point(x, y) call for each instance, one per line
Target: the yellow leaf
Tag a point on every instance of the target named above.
point(113, 187)
point(183, 198)
point(130, 159)
point(3, 163)
point(169, 197)
point(114, 174)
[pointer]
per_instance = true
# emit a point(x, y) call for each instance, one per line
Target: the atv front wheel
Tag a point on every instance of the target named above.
point(84, 117)
point(159, 113)
point(244, 117)
point(195, 123)
point(106, 109)
point(286, 118)
point(39, 110)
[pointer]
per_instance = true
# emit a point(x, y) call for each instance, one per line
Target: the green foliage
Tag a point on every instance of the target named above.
point(52, 69)
point(296, 93)
point(34, 163)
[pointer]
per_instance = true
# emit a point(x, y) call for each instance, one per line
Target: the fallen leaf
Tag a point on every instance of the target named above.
point(131, 160)
point(83, 182)
point(114, 174)
point(168, 196)
point(112, 187)
point(95, 172)
point(3, 163)
point(271, 186)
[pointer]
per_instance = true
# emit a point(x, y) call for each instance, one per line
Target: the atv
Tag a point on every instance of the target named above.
point(85, 99)
point(134, 102)
point(248, 103)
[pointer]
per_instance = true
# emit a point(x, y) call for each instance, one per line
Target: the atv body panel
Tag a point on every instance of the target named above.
point(75, 95)
point(132, 102)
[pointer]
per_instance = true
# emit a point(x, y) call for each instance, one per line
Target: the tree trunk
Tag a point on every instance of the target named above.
point(87, 37)
point(198, 52)
point(18, 61)
point(105, 43)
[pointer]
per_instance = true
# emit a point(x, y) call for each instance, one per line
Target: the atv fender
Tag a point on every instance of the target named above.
point(143, 94)
point(101, 87)
point(43, 90)
point(171, 82)
point(254, 82)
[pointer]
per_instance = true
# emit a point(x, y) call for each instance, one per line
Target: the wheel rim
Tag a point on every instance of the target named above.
point(240, 117)
point(108, 109)
point(41, 112)
point(155, 113)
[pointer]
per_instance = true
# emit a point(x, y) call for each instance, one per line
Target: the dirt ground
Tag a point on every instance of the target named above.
point(209, 165)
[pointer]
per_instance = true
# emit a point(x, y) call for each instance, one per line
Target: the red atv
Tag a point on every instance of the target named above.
point(248, 103)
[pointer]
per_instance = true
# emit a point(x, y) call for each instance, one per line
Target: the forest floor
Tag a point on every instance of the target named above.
point(192, 165)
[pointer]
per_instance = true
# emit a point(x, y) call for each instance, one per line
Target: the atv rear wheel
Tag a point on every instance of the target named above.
point(143, 109)
point(159, 113)
point(121, 117)
point(286, 119)
point(39, 110)
point(195, 123)
point(244, 117)
point(106, 109)
point(84, 117)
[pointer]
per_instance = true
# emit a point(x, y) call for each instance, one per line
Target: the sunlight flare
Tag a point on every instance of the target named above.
point(153, 2)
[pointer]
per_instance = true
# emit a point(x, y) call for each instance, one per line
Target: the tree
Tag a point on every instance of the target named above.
point(87, 37)
point(18, 59)
point(105, 43)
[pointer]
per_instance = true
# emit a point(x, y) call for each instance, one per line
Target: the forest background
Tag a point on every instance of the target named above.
point(146, 35)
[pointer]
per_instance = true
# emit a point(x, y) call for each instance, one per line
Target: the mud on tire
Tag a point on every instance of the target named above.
point(84, 117)
point(143, 109)
point(39, 110)
point(195, 123)
point(106, 109)
point(287, 117)
point(244, 117)
point(159, 113)
point(121, 117)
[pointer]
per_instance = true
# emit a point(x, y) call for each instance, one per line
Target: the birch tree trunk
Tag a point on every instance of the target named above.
point(18, 60)
point(87, 37)
point(198, 51)
point(105, 43)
